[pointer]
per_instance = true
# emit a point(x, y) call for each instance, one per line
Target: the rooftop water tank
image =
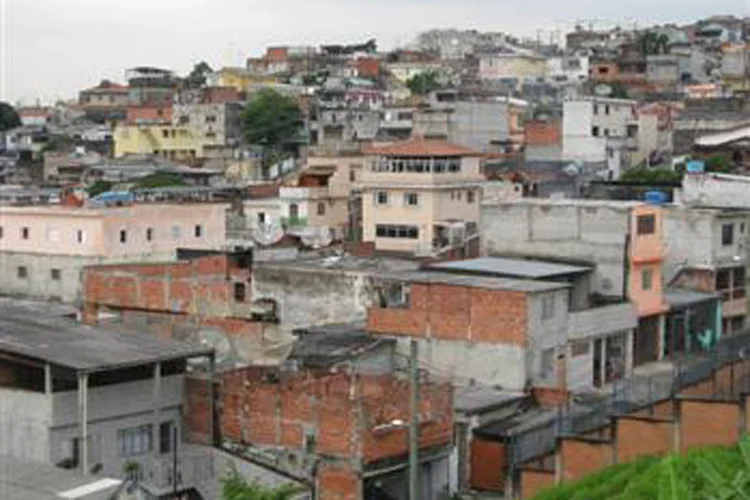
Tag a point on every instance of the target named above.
point(696, 166)
point(655, 198)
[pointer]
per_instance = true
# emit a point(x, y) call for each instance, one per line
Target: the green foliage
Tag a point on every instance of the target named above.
point(707, 473)
point(618, 91)
point(644, 175)
point(197, 76)
point(160, 179)
point(271, 119)
point(719, 163)
point(652, 43)
point(98, 188)
point(424, 83)
point(234, 487)
point(8, 117)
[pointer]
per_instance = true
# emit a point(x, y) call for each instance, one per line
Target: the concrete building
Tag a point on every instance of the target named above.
point(599, 130)
point(218, 123)
point(708, 252)
point(509, 323)
point(512, 67)
point(106, 101)
point(45, 247)
point(62, 168)
point(95, 400)
point(622, 240)
point(568, 70)
point(420, 196)
point(484, 124)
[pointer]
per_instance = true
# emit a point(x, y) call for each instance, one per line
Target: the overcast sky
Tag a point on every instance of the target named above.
point(51, 48)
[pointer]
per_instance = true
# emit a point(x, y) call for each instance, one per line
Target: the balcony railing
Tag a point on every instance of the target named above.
point(289, 222)
point(194, 466)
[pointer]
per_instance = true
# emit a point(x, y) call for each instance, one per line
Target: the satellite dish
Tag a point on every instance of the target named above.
point(268, 234)
point(316, 237)
point(603, 90)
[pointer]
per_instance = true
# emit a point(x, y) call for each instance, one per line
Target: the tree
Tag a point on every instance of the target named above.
point(234, 487)
point(197, 77)
point(8, 117)
point(643, 175)
point(98, 187)
point(271, 120)
point(719, 163)
point(423, 83)
point(159, 179)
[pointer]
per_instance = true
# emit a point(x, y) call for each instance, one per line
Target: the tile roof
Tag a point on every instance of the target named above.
point(419, 146)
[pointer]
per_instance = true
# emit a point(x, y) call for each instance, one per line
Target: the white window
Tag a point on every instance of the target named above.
point(411, 199)
point(176, 232)
point(381, 198)
point(134, 441)
point(548, 307)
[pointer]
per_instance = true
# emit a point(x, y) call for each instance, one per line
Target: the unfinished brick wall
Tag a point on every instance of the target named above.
point(456, 313)
point(338, 482)
point(196, 411)
point(534, 481)
point(341, 414)
point(543, 133)
point(582, 456)
point(202, 286)
point(707, 423)
point(639, 436)
point(488, 465)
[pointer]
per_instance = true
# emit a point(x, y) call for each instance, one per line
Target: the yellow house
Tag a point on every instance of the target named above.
point(239, 78)
point(169, 141)
point(420, 196)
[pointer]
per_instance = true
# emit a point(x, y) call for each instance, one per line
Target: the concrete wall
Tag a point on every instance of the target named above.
point(595, 234)
point(312, 297)
point(24, 425)
point(112, 408)
point(546, 334)
point(486, 363)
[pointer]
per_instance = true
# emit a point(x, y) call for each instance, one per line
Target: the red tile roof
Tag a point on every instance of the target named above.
point(418, 146)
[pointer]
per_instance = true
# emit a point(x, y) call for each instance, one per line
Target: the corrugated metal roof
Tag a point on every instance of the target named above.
point(681, 297)
point(520, 268)
point(490, 283)
point(26, 329)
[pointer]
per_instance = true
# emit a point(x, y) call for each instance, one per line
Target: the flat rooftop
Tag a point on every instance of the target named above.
point(22, 480)
point(28, 329)
point(505, 266)
point(490, 283)
point(327, 345)
point(345, 263)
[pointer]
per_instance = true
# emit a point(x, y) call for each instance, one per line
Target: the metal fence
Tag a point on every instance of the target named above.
point(631, 394)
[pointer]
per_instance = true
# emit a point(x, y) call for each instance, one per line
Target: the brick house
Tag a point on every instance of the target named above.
point(326, 409)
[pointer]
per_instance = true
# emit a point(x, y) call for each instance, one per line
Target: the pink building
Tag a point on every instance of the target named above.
point(44, 247)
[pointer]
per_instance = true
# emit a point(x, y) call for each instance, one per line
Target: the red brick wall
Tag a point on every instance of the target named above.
point(696, 279)
point(368, 67)
point(220, 95)
point(539, 133)
point(534, 481)
point(201, 284)
point(488, 463)
point(706, 423)
point(456, 313)
point(331, 405)
point(196, 410)
point(161, 114)
point(642, 436)
point(581, 457)
point(338, 482)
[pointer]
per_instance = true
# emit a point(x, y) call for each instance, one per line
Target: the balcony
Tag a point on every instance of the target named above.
point(303, 193)
point(599, 321)
point(294, 222)
point(194, 468)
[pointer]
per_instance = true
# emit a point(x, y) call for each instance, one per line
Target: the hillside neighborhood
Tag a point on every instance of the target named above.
point(476, 266)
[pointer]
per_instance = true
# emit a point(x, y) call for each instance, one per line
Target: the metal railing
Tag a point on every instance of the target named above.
point(630, 394)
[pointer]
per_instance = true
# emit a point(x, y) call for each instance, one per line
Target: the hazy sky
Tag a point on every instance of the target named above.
point(51, 48)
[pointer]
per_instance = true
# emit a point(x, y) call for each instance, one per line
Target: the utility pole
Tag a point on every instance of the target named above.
point(414, 423)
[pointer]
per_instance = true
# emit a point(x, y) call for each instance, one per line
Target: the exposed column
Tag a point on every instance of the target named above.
point(48, 379)
point(156, 405)
point(211, 400)
point(83, 383)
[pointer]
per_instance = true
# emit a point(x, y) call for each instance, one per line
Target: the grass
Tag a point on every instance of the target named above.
point(708, 473)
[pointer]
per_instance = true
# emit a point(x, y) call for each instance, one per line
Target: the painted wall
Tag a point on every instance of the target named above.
point(24, 421)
